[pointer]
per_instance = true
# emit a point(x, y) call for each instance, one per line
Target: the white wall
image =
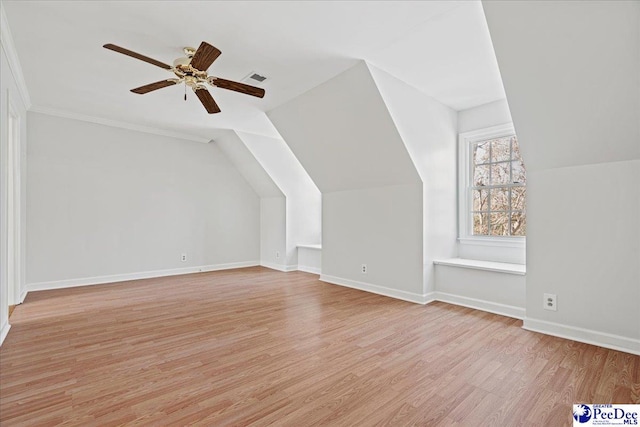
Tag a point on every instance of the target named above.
point(482, 117)
point(274, 172)
point(429, 132)
point(107, 201)
point(303, 198)
point(571, 71)
point(273, 213)
point(343, 135)
point(584, 246)
point(9, 92)
point(496, 292)
point(273, 232)
point(310, 258)
point(380, 227)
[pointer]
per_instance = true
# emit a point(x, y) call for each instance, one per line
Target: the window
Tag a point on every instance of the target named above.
point(492, 185)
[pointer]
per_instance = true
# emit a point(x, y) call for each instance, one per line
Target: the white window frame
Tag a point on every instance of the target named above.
point(465, 218)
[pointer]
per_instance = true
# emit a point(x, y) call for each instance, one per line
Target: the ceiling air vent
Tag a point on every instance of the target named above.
point(257, 77)
point(254, 78)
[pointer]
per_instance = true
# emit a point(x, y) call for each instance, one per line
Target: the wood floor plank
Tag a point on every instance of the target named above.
point(258, 347)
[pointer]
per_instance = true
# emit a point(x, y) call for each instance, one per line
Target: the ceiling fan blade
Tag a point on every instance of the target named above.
point(207, 100)
point(133, 54)
point(153, 86)
point(204, 56)
point(238, 87)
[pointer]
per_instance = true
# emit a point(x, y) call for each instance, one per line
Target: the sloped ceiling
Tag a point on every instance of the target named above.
point(343, 135)
point(277, 159)
point(571, 71)
point(253, 172)
point(440, 47)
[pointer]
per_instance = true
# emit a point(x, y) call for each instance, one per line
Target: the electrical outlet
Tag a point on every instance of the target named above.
point(550, 302)
point(277, 254)
point(364, 269)
point(183, 257)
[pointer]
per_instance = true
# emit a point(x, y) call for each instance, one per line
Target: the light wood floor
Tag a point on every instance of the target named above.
point(255, 346)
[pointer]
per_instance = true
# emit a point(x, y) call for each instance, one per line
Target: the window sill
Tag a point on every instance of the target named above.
point(515, 242)
point(318, 247)
point(500, 267)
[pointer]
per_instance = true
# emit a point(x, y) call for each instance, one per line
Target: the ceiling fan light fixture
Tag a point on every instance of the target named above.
point(181, 61)
point(189, 51)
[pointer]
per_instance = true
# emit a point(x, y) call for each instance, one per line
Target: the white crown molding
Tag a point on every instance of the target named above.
point(118, 124)
point(6, 40)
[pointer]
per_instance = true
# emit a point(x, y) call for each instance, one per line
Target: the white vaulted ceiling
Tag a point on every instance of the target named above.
point(441, 48)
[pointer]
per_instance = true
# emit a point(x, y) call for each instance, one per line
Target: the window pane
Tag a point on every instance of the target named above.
point(501, 149)
point(518, 224)
point(481, 153)
point(500, 173)
point(518, 198)
point(515, 148)
point(498, 179)
point(499, 199)
point(480, 200)
point(481, 175)
point(480, 224)
point(518, 173)
point(500, 224)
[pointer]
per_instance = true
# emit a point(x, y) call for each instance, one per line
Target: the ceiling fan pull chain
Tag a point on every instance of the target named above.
point(185, 91)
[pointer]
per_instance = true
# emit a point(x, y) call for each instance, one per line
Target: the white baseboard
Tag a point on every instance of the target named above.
point(98, 280)
point(23, 295)
point(380, 290)
point(279, 267)
point(307, 269)
point(491, 307)
point(4, 332)
point(588, 336)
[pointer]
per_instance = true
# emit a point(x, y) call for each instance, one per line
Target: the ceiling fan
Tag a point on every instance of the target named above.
point(192, 71)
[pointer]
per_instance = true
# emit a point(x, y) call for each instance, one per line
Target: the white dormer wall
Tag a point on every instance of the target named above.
point(303, 208)
point(571, 71)
point(429, 132)
point(273, 217)
point(383, 155)
point(342, 134)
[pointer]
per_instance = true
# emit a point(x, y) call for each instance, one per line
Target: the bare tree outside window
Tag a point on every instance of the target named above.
point(498, 180)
